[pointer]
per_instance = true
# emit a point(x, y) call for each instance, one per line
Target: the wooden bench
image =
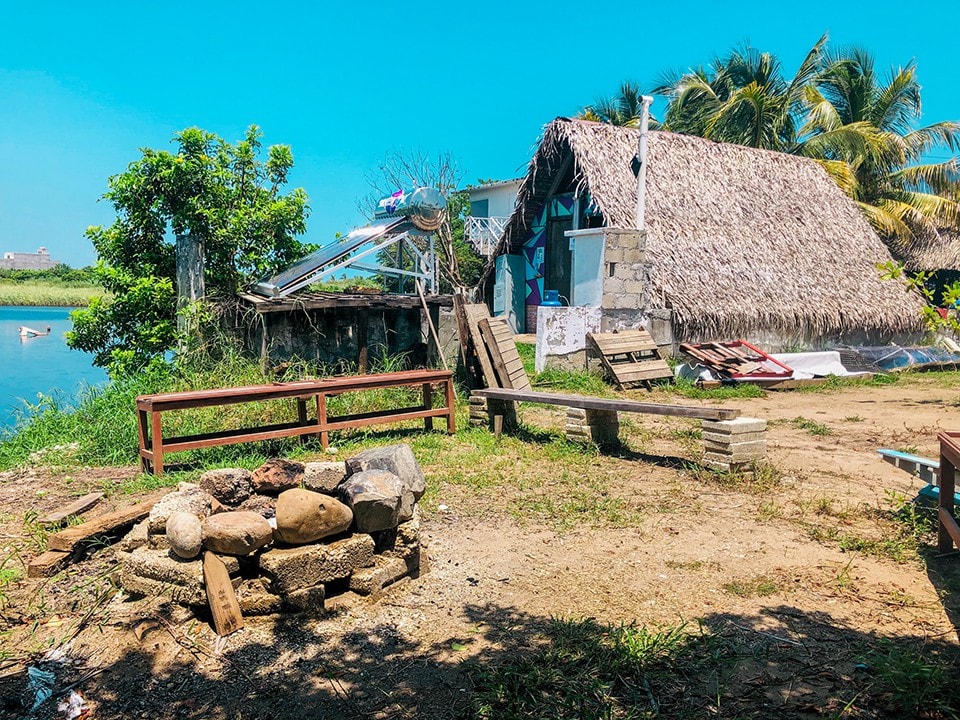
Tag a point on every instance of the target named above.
point(731, 442)
point(608, 404)
point(150, 409)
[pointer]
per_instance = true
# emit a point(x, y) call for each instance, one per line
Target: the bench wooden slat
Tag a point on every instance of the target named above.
point(593, 403)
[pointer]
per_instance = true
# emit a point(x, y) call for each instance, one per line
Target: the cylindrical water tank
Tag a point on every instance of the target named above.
point(424, 206)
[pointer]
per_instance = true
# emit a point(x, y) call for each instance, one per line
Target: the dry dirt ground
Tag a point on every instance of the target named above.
point(801, 574)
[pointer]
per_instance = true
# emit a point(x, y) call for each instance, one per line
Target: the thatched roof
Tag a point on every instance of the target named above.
point(935, 251)
point(740, 239)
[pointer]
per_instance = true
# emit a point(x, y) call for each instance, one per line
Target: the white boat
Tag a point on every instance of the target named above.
point(30, 332)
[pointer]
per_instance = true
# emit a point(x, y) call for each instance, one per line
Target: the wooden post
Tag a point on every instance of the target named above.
point(190, 280)
point(947, 488)
point(427, 404)
point(221, 596)
point(363, 358)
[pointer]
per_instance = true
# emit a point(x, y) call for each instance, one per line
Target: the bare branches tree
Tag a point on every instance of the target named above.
point(402, 169)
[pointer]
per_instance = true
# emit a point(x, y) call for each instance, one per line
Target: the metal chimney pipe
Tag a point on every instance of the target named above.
point(645, 102)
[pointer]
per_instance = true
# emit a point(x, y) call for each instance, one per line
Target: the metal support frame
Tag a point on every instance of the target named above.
point(426, 261)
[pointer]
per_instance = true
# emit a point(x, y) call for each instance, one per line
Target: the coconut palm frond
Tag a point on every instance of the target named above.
point(842, 174)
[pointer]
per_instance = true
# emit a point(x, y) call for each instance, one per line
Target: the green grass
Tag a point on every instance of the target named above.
point(752, 587)
point(812, 427)
point(36, 293)
point(582, 669)
point(687, 388)
point(99, 428)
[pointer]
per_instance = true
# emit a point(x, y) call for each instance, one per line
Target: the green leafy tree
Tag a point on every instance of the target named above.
point(743, 98)
point(226, 196)
point(880, 163)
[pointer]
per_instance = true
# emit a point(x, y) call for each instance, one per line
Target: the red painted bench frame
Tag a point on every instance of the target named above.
point(150, 409)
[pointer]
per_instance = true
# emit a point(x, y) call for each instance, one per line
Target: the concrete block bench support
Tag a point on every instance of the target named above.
point(597, 426)
point(734, 444)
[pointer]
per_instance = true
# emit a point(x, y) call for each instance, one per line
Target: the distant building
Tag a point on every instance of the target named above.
point(40, 260)
point(491, 205)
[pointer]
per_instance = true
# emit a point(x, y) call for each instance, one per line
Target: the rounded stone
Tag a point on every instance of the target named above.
point(304, 516)
point(186, 498)
point(376, 498)
point(236, 533)
point(277, 475)
point(228, 485)
point(184, 534)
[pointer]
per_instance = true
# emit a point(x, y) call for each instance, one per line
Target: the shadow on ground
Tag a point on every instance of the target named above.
point(780, 663)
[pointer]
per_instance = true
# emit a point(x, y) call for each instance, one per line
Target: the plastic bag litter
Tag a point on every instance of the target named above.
point(73, 706)
point(40, 682)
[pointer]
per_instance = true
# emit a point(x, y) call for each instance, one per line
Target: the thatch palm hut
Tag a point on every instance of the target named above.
point(931, 252)
point(733, 241)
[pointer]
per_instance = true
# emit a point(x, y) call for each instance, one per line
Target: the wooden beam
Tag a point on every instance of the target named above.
point(67, 540)
point(592, 403)
point(47, 564)
point(220, 594)
point(60, 516)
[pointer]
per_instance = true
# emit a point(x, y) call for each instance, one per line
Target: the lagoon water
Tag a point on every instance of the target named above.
point(44, 364)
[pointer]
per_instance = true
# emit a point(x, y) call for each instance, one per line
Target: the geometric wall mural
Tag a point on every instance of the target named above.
point(536, 242)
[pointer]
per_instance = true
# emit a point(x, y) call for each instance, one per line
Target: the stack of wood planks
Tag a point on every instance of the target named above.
point(62, 545)
point(737, 359)
point(488, 348)
point(631, 358)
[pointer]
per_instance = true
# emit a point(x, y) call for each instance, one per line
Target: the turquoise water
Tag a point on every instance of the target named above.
point(45, 364)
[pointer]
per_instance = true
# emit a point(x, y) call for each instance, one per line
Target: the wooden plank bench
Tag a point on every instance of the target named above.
point(150, 409)
point(731, 442)
point(608, 404)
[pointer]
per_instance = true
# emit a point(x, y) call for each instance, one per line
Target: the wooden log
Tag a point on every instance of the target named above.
point(220, 594)
point(67, 540)
point(60, 516)
point(47, 564)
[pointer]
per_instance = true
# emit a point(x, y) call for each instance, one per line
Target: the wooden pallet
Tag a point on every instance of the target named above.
point(737, 359)
point(498, 337)
point(473, 350)
point(631, 357)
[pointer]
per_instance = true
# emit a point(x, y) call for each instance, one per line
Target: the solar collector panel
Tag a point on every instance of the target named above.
point(309, 265)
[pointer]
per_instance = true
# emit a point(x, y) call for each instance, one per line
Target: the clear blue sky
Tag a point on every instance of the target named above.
point(83, 88)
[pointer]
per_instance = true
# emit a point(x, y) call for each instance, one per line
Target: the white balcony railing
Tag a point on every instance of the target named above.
point(484, 233)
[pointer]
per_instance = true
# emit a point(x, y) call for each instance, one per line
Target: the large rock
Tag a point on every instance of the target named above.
point(324, 476)
point(184, 534)
point(230, 486)
point(375, 496)
point(304, 516)
point(261, 504)
point(277, 475)
point(295, 568)
point(187, 497)
point(236, 533)
point(399, 460)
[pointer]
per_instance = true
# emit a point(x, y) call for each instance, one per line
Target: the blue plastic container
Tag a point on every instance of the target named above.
point(551, 298)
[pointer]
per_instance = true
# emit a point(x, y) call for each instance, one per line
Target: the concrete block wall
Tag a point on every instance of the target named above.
point(626, 282)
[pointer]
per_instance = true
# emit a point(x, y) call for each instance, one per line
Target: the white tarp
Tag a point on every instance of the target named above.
point(813, 364)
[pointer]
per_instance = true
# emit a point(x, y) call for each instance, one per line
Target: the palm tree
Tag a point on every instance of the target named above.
point(861, 127)
point(624, 109)
point(742, 99)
